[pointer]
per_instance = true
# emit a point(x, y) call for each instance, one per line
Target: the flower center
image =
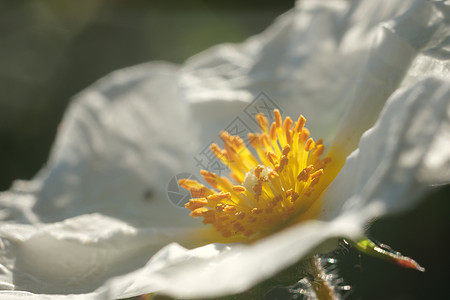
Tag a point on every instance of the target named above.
point(272, 189)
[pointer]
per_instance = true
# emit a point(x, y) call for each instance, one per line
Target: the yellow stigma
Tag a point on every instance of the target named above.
point(271, 191)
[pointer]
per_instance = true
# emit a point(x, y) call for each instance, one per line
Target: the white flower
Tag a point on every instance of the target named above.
point(96, 221)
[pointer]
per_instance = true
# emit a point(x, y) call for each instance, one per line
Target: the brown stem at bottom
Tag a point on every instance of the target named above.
point(320, 286)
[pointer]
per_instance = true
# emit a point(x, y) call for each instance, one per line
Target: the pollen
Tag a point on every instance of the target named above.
point(272, 186)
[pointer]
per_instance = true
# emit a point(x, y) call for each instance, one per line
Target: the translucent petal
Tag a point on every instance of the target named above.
point(386, 174)
point(235, 269)
point(396, 45)
point(117, 148)
point(100, 207)
point(320, 59)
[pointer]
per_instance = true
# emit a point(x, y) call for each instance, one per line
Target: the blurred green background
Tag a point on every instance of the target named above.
point(50, 50)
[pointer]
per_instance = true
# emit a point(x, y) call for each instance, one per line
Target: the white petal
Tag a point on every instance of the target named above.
point(87, 217)
point(313, 61)
point(79, 254)
point(386, 174)
point(398, 41)
point(120, 143)
point(208, 272)
point(218, 269)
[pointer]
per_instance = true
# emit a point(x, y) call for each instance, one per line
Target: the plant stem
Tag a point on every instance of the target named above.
point(320, 286)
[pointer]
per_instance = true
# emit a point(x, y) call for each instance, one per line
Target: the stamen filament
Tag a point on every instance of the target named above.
point(273, 189)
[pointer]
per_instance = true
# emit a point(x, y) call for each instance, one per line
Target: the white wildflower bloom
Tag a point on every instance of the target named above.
point(372, 79)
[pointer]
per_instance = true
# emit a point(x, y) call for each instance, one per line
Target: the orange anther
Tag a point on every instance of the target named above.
point(216, 198)
point(257, 211)
point(215, 149)
point(314, 181)
point(303, 136)
point(258, 171)
point(220, 207)
point(287, 124)
point(209, 217)
point(317, 174)
point(272, 157)
point(198, 212)
point(200, 192)
point(294, 197)
point(195, 203)
point(277, 116)
point(254, 140)
point(272, 175)
point(289, 192)
point(229, 209)
point(309, 144)
point(288, 134)
point(239, 189)
point(319, 149)
point(273, 131)
point(283, 162)
point(257, 188)
point(189, 183)
point(262, 121)
point(265, 139)
point(299, 124)
point(304, 174)
point(205, 173)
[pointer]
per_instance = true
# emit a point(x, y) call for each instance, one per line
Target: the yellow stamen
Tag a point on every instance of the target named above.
point(277, 116)
point(263, 122)
point(277, 187)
